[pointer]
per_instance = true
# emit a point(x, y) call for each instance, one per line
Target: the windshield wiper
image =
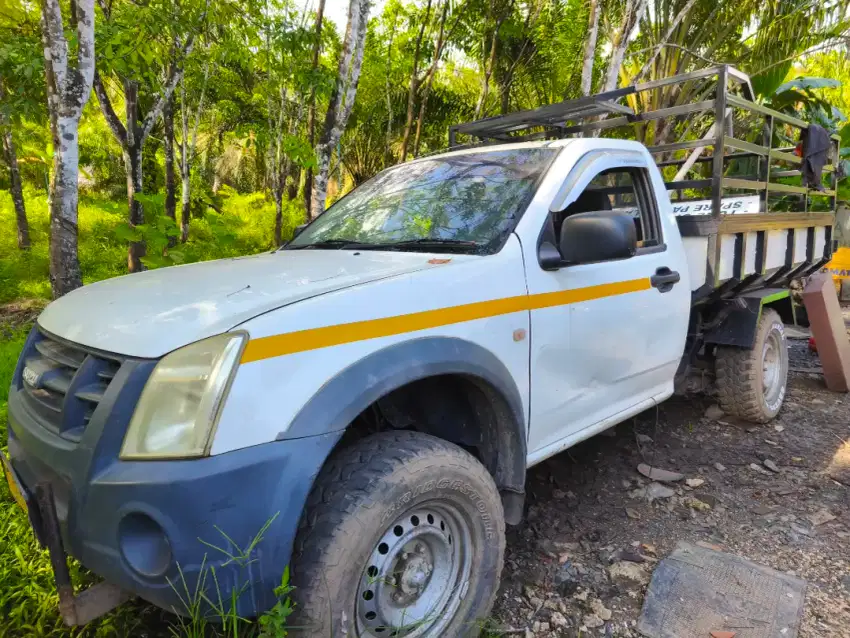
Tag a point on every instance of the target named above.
point(339, 244)
point(429, 242)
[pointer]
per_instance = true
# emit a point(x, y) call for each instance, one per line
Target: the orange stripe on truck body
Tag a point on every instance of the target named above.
point(339, 334)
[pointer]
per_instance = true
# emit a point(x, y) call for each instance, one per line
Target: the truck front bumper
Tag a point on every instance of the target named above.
point(182, 534)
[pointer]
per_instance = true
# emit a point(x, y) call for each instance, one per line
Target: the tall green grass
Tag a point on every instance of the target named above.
point(244, 226)
point(28, 600)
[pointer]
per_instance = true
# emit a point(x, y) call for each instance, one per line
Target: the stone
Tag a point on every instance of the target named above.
point(630, 556)
point(694, 482)
point(697, 504)
point(643, 439)
point(591, 621)
point(567, 578)
point(658, 491)
point(845, 581)
point(820, 517)
point(719, 467)
point(779, 428)
point(557, 619)
point(800, 529)
point(632, 513)
point(625, 570)
point(559, 494)
point(657, 474)
point(762, 510)
point(600, 610)
point(714, 412)
point(755, 467)
point(709, 499)
point(773, 467)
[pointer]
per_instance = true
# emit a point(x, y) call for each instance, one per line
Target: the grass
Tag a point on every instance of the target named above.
point(245, 226)
point(28, 600)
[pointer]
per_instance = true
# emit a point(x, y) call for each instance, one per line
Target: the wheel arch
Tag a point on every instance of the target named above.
point(441, 366)
point(740, 316)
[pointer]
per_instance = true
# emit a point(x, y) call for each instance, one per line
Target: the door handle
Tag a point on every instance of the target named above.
point(664, 279)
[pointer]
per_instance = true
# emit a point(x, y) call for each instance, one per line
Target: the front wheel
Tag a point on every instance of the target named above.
point(403, 535)
point(751, 384)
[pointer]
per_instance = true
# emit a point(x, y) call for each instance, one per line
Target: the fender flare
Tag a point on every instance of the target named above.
point(352, 390)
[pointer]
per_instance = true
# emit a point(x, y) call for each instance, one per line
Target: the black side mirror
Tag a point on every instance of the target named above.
point(598, 236)
point(298, 230)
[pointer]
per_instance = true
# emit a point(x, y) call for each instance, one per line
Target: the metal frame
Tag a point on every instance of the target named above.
point(731, 91)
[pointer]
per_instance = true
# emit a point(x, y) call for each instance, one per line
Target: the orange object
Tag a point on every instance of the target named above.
point(723, 634)
point(812, 345)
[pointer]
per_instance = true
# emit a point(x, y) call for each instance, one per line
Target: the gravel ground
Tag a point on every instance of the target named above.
point(776, 494)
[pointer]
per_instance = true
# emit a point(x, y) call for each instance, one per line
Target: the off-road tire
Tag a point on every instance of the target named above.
point(358, 495)
point(740, 374)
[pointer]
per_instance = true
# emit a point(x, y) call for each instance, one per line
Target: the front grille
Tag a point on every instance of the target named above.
point(63, 383)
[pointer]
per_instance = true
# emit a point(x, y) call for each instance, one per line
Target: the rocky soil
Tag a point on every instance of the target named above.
point(776, 494)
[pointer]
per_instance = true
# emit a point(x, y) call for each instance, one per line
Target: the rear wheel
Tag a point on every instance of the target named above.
point(403, 535)
point(751, 384)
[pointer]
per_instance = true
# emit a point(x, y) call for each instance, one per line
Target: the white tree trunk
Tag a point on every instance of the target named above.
point(631, 17)
point(342, 99)
point(68, 90)
point(590, 49)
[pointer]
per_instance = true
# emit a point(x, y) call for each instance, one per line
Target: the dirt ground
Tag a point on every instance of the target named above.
point(581, 563)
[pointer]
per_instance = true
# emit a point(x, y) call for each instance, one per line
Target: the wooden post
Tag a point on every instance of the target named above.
point(829, 331)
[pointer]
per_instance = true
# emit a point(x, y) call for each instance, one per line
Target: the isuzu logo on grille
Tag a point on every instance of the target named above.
point(31, 376)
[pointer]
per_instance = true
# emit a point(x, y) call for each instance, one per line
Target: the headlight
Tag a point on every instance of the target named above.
point(177, 411)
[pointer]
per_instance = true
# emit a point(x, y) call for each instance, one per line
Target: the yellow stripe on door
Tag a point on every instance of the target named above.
point(315, 338)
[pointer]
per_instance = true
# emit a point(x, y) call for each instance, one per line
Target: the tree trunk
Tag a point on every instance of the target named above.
point(68, 90)
point(506, 93)
point(414, 83)
point(133, 168)
point(590, 49)
point(185, 167)
point(631, 17)
point(432, 72)
point(387, 150)
point(278, 215)
point(342, 99)
point(16, 189)
point(65, 274)
point(170, 182)
point(311, 113)
point(185, 191)
point(488, 70)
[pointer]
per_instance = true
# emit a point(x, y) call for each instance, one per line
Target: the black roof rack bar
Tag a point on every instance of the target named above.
point(583, 110)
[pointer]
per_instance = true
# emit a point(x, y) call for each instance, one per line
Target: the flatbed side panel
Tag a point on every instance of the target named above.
point(696, 249)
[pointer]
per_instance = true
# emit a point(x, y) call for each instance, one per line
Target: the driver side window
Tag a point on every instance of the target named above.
point(623, 190)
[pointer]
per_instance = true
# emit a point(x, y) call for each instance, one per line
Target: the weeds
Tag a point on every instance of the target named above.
point(200, 608)
point(245, 225)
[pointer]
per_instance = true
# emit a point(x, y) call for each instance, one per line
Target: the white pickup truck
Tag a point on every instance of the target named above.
point(371, 395)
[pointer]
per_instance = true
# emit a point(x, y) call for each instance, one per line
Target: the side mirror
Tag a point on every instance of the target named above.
point(598, 236)
point(298, 230)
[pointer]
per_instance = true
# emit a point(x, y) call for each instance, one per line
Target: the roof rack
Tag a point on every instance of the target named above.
point(723, 90)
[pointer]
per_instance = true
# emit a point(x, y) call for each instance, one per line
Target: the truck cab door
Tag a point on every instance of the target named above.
point(607, 336)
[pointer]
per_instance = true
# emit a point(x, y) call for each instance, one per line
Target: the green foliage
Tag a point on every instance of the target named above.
point(273, 623)
point(244, 226)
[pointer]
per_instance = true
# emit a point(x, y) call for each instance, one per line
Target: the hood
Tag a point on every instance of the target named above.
point(151, 313)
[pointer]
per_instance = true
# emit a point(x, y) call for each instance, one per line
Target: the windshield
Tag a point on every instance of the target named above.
point(466, 203)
